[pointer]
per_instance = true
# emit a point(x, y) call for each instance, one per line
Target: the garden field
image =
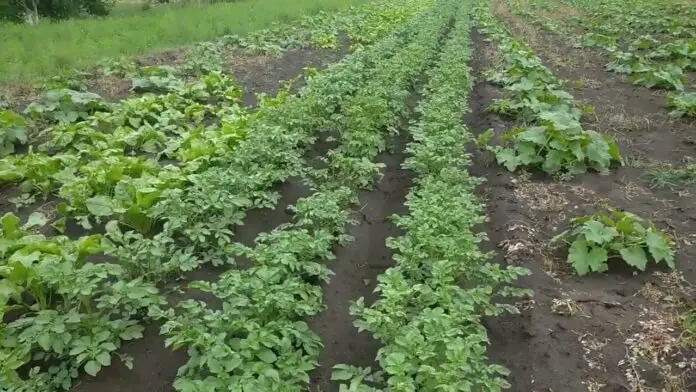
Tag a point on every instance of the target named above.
point(397, 196)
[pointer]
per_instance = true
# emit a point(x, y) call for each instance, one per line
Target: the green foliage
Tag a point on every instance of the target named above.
point(55, 9)
point(13, 130)
point(683, 104)
point(429, 314)
point(67, 106)
point(204, 58)
point(173, 176)
point(651, 41)
point(613, 233)
point(120, 67)
point(71, 80)
point(559, 145)
point(156, 79)
point(269, 346)
point(667, 76)
point(555, 140)
point(73, 314)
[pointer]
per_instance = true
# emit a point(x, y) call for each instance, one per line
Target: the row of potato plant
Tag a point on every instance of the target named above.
point(429, 316)
point(259, 340)
point(552, 137)
point(195, 220)
point(360, 26)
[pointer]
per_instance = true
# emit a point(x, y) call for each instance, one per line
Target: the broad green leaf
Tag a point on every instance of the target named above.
point(560, 120)
point(104, 358)
point(598, 152)
point(533, 134)
point(635, 256)
point(36, 219)
point(597, 259)
point(267, 355)
point(44, 340)
point(506, 157)
point(526, 153)
point(100, 205)
point(578, 256)
point(341, 375)
point(92, 368)
point(598, 233)
point(659, 248)
point(576, 148)
point(10, 225)
point(553, 162)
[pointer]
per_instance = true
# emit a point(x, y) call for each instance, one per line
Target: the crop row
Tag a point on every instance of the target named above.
point(258, 339)
point(429, 316)
point(360, 25)
point(68, 314)
point(552, 138)
point(654, 43)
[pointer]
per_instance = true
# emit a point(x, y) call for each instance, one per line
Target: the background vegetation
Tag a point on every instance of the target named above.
point(48, 48)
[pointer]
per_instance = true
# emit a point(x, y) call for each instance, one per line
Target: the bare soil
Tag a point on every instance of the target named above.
point(264, 74)
point(612, 332)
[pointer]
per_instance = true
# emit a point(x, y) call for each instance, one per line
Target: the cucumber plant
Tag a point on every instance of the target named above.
point(612, 233)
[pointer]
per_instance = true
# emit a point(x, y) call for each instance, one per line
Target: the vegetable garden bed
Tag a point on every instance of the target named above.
point(457, 200)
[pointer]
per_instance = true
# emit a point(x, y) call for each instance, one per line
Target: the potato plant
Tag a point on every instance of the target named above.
point(429, 315)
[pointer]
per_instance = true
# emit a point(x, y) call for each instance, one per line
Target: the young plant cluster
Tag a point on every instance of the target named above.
point(612, 233)
point(109, 160)
point(258, 340)
point(62, 311)
point(429, 316)
point(14, 131)
point(553, 138)
point(652, 42)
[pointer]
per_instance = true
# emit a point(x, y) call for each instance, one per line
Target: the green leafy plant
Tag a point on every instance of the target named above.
point(71, 80)
point(554, 140)
point(204, 58)
point(13, 130)
point(67, 106)
point(668, 76)
point(558, 145)
point(612, 233)
point(121, 67)
point(429, 313)
point(69, 314)
point(156, 79)
point(683, 104)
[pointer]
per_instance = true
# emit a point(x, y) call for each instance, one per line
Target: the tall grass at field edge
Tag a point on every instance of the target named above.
point(31, 52)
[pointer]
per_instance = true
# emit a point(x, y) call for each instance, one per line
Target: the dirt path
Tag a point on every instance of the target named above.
point(357, 266)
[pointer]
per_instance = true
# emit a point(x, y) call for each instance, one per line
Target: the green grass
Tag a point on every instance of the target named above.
point(673, 177)
point(30, 53)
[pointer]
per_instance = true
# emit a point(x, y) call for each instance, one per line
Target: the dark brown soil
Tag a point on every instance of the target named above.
point(111, 88)
point(264, 74)
point(597, 332)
